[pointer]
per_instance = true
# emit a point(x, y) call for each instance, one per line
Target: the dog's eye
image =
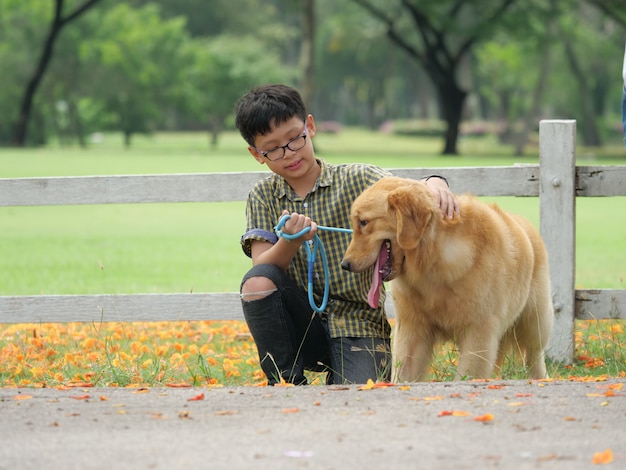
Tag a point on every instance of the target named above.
point(363, 223)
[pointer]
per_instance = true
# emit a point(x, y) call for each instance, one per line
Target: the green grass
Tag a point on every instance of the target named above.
point(195, 246)
point(144, 248)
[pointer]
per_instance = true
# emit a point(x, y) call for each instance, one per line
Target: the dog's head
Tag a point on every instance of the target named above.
point(388, 220)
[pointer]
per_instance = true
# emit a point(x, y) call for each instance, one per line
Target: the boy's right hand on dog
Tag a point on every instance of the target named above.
point(298, 222)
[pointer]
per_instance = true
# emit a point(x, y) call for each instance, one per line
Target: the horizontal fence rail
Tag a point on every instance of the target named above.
point(592, 304)
point(556, 181)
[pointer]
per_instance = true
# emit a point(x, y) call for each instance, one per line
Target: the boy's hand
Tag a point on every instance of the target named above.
point(298, 222)
point(444, 197)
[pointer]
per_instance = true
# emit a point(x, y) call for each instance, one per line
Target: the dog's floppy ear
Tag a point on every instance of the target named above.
point(412, 216)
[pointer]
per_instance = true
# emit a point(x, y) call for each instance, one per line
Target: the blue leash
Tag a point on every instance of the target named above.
point(312, 255)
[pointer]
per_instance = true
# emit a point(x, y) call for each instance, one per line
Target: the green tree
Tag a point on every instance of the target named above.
point(136, 62)
point(222, 69)
point(59, 21)
point(439, 36)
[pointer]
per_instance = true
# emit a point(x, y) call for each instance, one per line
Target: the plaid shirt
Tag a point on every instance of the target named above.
point(327, 204)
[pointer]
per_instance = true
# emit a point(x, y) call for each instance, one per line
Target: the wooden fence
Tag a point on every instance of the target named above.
point(557, 181)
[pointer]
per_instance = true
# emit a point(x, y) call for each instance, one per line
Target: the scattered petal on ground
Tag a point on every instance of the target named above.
point(484, 418)
point(602, 458)
point(22, 397)
point(198, 397)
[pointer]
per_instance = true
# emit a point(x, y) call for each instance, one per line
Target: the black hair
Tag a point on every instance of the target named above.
point(265, 107)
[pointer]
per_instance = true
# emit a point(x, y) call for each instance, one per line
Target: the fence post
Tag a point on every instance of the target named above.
point(557, 193)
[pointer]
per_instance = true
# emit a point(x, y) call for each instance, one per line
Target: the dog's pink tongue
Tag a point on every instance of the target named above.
point(373, 296)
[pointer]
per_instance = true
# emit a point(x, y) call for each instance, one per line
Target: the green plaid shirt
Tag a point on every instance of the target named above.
point(327, 204)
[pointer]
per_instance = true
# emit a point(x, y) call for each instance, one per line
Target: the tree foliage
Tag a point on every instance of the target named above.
point(137, 65)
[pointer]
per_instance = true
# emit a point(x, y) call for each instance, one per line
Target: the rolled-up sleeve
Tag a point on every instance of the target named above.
point(256, 234)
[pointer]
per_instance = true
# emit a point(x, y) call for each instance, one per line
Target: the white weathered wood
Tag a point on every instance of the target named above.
point(206, 187)
point(600, 304)
point(220, 187)
point(557, 158)
point(601, 180)
point(125, 308)
point(518, 180)
point(594, 304)
point(120, 308)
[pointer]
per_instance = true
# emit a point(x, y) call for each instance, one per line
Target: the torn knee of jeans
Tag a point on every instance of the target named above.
point(249, 296)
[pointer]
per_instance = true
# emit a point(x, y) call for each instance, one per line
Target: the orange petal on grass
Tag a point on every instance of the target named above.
point(602, 458)
point(198, 397)
point(80, 384)
point(178, 385)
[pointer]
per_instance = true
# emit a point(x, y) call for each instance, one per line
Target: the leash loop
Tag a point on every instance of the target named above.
point(312, 248)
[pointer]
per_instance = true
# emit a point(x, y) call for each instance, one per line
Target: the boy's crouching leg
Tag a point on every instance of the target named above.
point(273, 333)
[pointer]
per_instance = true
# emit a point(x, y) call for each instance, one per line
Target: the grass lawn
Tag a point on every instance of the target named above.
point(195, 246)
point(145, 248)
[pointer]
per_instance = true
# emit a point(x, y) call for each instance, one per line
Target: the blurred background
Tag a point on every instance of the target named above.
point(75, 69)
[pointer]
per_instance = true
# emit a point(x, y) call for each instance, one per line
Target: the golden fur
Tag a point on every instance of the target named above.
point(480, 279)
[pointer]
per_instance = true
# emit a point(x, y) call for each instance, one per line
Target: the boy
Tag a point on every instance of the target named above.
point(349, 339)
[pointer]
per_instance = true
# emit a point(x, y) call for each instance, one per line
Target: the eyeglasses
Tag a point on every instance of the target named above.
point(279, 152)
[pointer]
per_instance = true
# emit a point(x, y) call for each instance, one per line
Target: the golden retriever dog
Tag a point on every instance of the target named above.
point(480, 279)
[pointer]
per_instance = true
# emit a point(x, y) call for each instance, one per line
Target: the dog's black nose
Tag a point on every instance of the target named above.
point(345, 265)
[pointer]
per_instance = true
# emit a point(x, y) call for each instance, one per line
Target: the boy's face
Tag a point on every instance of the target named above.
point(279, 143)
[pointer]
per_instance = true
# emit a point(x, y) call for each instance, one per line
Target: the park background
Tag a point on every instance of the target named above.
point(135, 87)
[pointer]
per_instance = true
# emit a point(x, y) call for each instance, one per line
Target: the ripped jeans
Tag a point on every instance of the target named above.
point(291, 337)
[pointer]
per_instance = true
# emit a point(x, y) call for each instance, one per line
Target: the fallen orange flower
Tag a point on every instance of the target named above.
point(198, 397)
point(291, 410)
point(80, 397)
point(178, 385)
point(368, 386)
point(383, 385)
point(484, 418)
point(433, 398)
point(80, 384)
point(22, 397)
point(453, 413)
point(602, 458)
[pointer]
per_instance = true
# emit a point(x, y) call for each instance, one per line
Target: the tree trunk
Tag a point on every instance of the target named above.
point(307, 52)
point(542, 81)
point(58, 22)
point(590, 133)
point(451, 99)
